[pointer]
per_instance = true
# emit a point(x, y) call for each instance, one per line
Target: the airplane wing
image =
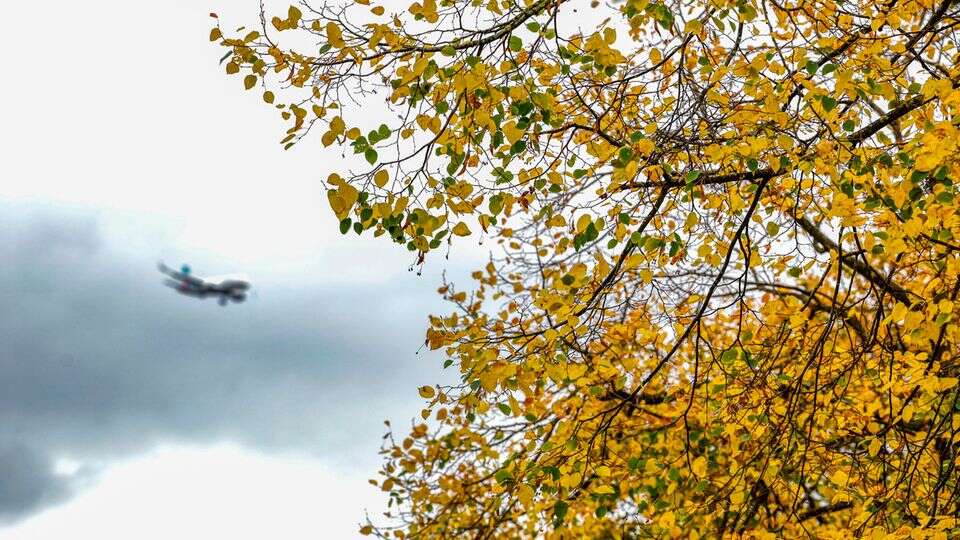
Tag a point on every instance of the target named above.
point(180, 276)
point(186, 289)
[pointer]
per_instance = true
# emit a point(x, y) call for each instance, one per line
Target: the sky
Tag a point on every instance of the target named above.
point(127, 410)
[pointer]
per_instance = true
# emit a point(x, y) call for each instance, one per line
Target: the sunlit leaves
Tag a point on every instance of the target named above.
point(721, 295)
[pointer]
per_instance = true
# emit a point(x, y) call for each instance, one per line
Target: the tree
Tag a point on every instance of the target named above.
point(723, 298)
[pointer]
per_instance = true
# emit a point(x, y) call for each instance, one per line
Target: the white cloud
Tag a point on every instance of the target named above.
point(218, 492)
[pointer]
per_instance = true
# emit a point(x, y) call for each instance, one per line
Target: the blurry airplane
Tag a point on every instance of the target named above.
point(231, 287)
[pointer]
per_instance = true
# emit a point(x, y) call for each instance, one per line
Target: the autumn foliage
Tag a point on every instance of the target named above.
point(722, 298)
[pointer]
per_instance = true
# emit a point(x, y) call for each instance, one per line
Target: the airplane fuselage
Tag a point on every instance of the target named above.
point(225, 287)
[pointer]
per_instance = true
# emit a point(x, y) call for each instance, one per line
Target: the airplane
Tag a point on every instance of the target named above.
point(231, 287)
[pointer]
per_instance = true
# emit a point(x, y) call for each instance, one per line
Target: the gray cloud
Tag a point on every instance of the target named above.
point(28, 481)
point(98, 360)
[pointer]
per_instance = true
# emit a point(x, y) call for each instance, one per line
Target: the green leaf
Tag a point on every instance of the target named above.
point(828, 103)
point(812, 67)
point(559, 513)
point(515, 44)
point(748, 358)
point(505, 409)
point(496, 204)
point(591, 233)
point(692, 176)
point(345, 225)
point(371, 155)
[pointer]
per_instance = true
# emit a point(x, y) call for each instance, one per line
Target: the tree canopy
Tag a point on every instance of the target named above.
point(726, 254)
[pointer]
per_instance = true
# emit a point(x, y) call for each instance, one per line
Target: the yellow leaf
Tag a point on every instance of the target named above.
point(337, 126)
point(525, 494)
point(328, 138)
point(336, 203)
point(575, 371)
point(569, 480)
point(583, 222)
point(381, 178)
point(377, 10)
point(427, 392)
point(908, 412)
point(667, 520)
point(334, 36)
point(513, 134)
point(609, 35)
point(700, 466)
point(293, 15)
point(839, 478)
point(461, 229)
point(349, 194)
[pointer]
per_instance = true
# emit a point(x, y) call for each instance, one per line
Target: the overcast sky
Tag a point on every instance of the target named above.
point(127, 410)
